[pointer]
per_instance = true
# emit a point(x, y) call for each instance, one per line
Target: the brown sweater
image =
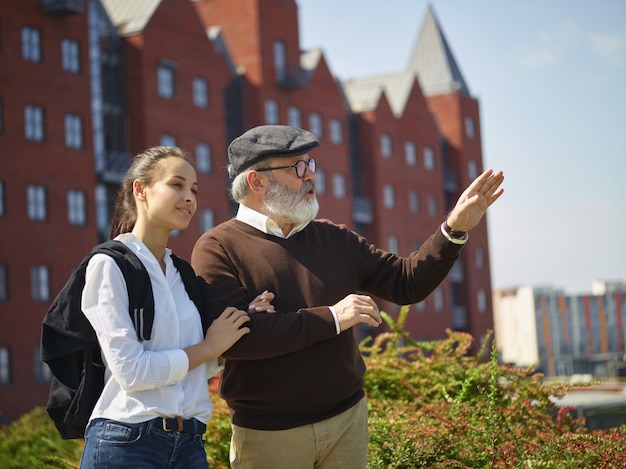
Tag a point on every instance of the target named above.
point(293, 368)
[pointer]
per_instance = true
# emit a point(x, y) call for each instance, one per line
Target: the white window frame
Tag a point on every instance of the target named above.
point(165, 81)
point(73, 131)
point(385, 146)
point(280, 61)
point(335, 130)
point(481, 301)
point(207, 219)
point(271, 112)
point(76, 207)
point(470, 128)
point(389, 196)
point(432, 206)
point(31, 44)
point(392, 243)
point(294, 116)
point(320, 181)
point(410, 154)
point(339, 186)
point(429, 158)
point(4, 283)
point(315, 124)
point(36, 197)
point(200, 92)
point(5, 365)
point(33, 123)
point(414, 201)
point(70, 56)
point(203, 158)
point(40, 283)
point(168, 140)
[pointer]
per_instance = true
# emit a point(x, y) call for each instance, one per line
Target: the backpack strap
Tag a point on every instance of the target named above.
point(193, 285)
point(138, 284)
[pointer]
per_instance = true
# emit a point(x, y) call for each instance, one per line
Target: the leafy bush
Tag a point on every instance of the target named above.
point(431, 404)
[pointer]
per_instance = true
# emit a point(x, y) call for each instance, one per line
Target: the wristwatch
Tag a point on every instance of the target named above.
point(454, 234)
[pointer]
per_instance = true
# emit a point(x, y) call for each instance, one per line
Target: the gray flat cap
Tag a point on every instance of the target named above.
point(268, 141)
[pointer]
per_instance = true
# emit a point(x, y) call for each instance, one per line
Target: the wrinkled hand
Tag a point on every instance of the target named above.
point(355, 309)
point(475, 200)
point(262, 303)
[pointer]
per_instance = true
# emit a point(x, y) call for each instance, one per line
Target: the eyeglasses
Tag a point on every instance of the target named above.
point(300, 166)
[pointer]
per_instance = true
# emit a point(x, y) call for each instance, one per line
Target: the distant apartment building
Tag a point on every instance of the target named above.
point(86, 84)
point(563, 335)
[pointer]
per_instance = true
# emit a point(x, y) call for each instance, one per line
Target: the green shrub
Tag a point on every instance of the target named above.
point(431, 405)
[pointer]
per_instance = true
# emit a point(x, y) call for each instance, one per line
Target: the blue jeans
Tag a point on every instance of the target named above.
point(113, 444)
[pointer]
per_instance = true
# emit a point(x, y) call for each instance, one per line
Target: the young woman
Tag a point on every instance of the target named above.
point(155, 403)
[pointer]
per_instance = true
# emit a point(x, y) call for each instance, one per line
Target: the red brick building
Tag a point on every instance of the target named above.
point(86, 84)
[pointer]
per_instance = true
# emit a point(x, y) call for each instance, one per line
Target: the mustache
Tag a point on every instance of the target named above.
point(306, 187)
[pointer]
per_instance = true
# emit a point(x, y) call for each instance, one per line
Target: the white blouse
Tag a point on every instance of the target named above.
point(148, 379)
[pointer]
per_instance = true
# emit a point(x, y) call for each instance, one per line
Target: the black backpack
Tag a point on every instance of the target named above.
point(69, 344)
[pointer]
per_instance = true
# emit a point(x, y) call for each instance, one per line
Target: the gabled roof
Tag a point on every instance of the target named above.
point(364, 94)
point(434, 62)
point(130, 17)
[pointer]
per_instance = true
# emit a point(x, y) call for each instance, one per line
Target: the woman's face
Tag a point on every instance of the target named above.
point(170, 201)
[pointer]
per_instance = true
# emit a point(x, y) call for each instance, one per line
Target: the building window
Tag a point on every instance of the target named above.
point(1, 118)
point(207, 221)
point(438, 297)
point(481, 301)
point(480, 258)
point(294, 118)
point(36, 202)
point(320, 181)
point(414, 201)
point(31, 45)
point(432, 206)
point(335, 131)
point(1, 199)
point(339, 186)
point(203, 158)
point(165, 81)
point(70, 56)
point(271, 112)
point(469, 127)
point(43, 374)
point(33, 123)
point(4, 283)
point(280, 61)
point(385, 146)
point(39, 283)
point(315, 124)
point(392, 244)
point(389, 197)
point(472, 170)
point(5, 366)
point(409, 153)
point(200, 92)
point(429, 158)
point(102, 209)
point(76, 210)
point(168, 140)
point(73, 131)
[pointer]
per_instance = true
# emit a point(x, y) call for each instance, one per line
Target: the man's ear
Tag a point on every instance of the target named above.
point(257, 182)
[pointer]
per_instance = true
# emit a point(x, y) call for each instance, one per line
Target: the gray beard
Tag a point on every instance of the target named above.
point(285, 206)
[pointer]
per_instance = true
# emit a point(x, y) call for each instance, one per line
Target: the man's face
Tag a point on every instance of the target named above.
point(290, 199)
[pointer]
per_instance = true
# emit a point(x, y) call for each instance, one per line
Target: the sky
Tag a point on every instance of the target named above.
point(550, 78)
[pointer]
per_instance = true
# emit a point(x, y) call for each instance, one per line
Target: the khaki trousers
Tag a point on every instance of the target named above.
point(339, 442)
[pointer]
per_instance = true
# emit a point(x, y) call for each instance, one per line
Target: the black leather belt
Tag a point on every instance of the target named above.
point(180, 425)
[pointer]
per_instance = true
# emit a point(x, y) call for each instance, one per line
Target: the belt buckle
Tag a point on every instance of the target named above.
point(180, 424)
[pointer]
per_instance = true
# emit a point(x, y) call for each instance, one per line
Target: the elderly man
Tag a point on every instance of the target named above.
point(294, 385)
